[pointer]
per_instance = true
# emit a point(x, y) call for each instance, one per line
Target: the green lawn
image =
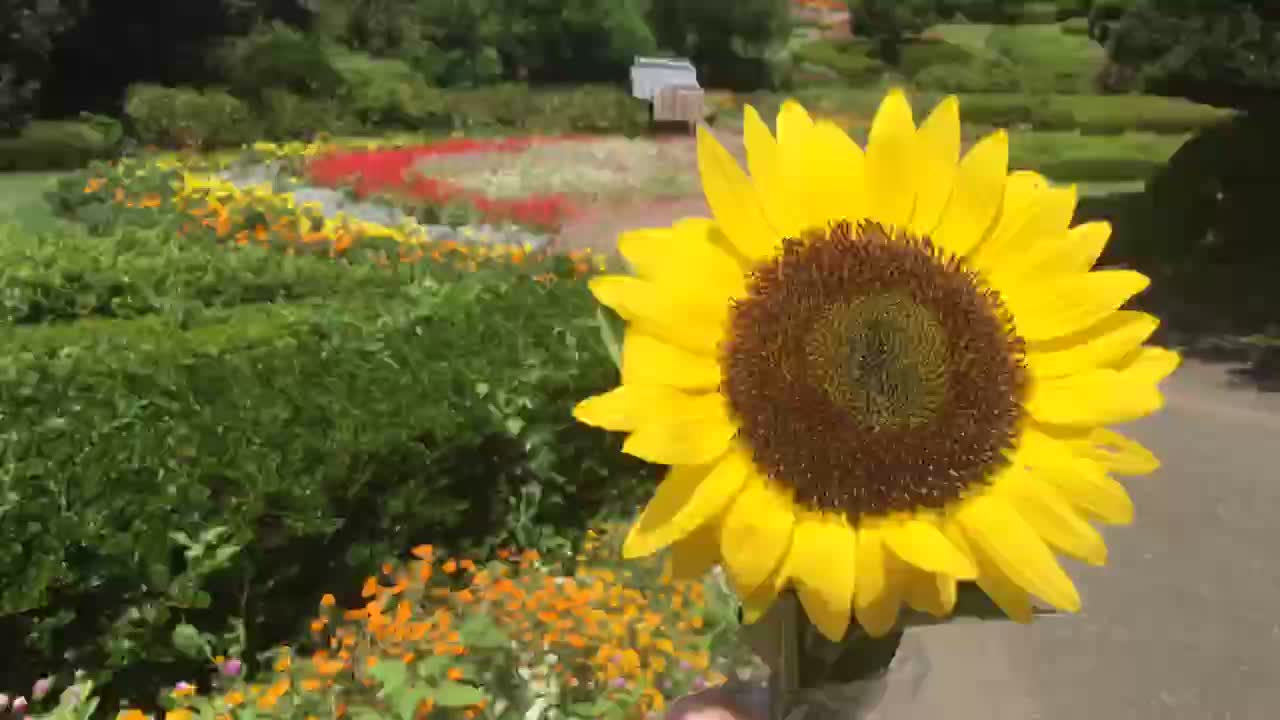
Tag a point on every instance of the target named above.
point(22, 201)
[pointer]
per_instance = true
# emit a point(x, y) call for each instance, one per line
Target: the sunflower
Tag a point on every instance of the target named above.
point(878, 373)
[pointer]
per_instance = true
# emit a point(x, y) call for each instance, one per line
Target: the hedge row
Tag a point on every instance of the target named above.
point(62, 276)
point(1089, 114)
point(321, 435)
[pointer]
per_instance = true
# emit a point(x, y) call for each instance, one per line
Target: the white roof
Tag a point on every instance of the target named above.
point(650, 74)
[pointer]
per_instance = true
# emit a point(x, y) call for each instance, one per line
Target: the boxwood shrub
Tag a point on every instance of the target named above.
point(162, 467)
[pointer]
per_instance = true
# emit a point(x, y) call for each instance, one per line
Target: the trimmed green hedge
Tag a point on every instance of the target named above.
point(305, 441)
point(848, 59)
point(68, 275)
point(1088, 114)
point(1070, 157)
point(59, 144)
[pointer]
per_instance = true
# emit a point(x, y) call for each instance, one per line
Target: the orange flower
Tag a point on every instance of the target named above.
point(455, 674)
point(328, 600)
point(131, 713)
point(423, 552)
point(234, 698)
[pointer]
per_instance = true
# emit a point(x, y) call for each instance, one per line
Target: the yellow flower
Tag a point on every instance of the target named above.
point(878, 372)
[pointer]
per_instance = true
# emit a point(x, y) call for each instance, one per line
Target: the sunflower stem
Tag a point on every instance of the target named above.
point(805, 666)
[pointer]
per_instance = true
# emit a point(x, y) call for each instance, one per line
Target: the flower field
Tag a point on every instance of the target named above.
point(209, 208)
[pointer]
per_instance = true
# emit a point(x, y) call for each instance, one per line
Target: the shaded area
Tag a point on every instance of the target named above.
point(1202, 230)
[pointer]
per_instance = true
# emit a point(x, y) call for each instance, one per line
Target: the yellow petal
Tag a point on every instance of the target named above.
point(824, 168)
point(821, 563)
point(687, 259)
point(695, 324)
point(628, 407)
point(692, 557)
point(682, 441)
point(647, 360)
point(1053, 517)
point(1021, 191)
point(686, 499)
point(756, 534)
point(891, 162)
point(930, 593)
point(1101, 345)
point(921, 544)
point(1068, 305)
point(870, 564)
point(938, 145)
point(793, 122)
point(1115, 452)
point(995, 528)
point(1082, 482)
point(766, 174)
point(756, 604)
point(1096, 397)
point(977, 195)
point(1004, 592)
point(1044, 226)
point(879, 614)
point(1104, 345)
point(733, 199)
point(1149, 365)
point(1076, 252)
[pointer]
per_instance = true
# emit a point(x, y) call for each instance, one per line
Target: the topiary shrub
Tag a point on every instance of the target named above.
point(288, 116)
point(59, 144)
point(388, 93)
point(849, 60)
point(279, 57)
point(979, 77)
point(188, 117)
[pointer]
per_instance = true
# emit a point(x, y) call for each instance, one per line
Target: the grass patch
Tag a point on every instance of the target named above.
point(1049, 58)
point(971, 35)
point(22, 200)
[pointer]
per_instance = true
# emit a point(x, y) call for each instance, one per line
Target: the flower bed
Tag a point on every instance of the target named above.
point(445, 637)
point(207, 208)
point(390, 172)
point(536, 181)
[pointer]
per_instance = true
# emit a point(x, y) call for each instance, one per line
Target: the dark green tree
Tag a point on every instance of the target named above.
point(731, 42)
point(29, 30)
point(890, 22)
point(1221, 52)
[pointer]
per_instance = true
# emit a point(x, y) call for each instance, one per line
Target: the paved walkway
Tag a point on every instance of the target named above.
point(1184, 623)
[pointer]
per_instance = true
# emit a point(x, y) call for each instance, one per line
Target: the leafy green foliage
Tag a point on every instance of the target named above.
point(975, 77)
point(1220, 52)
point(735, 44)
point(324, 434)
point(66, 276)
point(586, 108)
point(59, 145)
point(286, 115)
point(387, 93)
point(30, 29)
point(460, 43)
point(849, 59)
point(186, 117)
point(278, 57)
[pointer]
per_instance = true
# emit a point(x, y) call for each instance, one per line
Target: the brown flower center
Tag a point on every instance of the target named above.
point(873, 374)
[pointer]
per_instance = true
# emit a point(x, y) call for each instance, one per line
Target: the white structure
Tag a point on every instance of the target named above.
point(649, 75)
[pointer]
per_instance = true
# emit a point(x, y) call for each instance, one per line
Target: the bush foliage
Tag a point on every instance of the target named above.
point(311, 438)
